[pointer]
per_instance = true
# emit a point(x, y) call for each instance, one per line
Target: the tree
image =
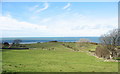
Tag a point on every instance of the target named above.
point(5, 44)
point(110, 41)
point(16, 42)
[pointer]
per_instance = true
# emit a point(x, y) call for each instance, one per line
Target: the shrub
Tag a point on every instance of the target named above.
point(83, 44)
point(102, 52)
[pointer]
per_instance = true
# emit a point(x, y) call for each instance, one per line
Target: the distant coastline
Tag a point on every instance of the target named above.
point(29, 40)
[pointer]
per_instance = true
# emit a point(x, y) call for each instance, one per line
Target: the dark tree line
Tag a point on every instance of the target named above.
point(15, 43)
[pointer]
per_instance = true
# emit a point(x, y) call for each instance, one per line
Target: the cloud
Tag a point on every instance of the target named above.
point(13, 27)
point(79, 25)
point(67, 6)
point(34, 7)
point(46, 20)
point(8, 23)
point(58, 26)
point(46, 5)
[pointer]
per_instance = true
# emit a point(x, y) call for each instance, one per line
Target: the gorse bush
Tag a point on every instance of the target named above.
point(83, 44)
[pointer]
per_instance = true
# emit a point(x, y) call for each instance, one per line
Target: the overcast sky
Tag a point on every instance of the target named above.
point(58, 19)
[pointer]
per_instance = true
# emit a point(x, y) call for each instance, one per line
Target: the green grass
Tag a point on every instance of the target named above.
point(62, 59)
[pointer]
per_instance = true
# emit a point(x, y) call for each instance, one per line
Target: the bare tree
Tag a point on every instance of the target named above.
point(110, 41)
point(16, 42)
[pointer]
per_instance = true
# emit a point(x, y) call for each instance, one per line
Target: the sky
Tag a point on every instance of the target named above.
point(58, 19)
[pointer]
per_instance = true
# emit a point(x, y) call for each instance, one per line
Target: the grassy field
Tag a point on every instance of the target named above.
point(54, 57)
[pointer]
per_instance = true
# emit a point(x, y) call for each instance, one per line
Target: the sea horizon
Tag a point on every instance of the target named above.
point(47, 39)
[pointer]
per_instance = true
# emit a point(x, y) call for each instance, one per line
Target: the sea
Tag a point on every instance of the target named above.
point(30, 40)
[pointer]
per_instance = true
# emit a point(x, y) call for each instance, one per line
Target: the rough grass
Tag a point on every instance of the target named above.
point(62, 59)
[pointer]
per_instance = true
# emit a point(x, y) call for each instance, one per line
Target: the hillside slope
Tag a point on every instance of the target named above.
point(62, 59)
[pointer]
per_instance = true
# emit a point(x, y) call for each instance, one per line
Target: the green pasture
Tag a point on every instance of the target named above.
point(54, 57)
